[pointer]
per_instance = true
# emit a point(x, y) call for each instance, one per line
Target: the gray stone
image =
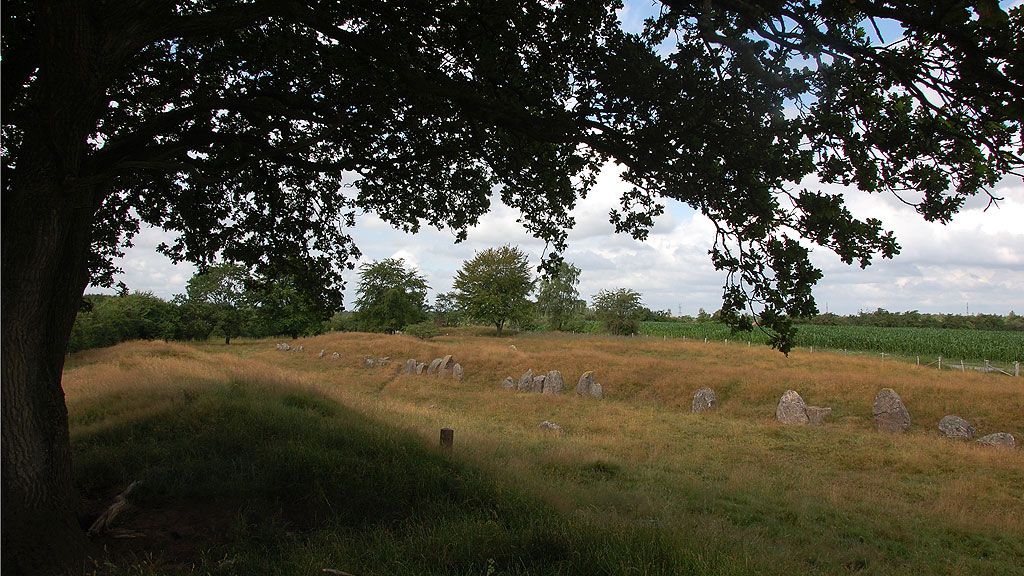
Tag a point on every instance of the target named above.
point(526, 381)
point(508, 383)
point(538, 383)
point(596, 391)
point(998, 440)
point(513, 348)
point(704, 400)
point(816, 414)
point(553, 383)
point(585, 383)
point(889, 412)
point(384, 361)
point(792, 410)
point(283, 347)
point(457, 372)
point(301, 349)
point(321, 354)
point(336, 356)
point(953, 426)
point(410, 365)
point(551, 426)
point(447, 364)
point(420, 367)
point(369, 362)
point(434, 365)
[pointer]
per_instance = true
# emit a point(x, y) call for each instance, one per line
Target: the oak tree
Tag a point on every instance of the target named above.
point(494, 286)
point(255, 130)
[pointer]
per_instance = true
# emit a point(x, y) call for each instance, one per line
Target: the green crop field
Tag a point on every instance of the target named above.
point(971, 345)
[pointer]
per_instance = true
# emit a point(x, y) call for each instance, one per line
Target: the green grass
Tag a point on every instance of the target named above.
point(303, 483)
point(972, 345)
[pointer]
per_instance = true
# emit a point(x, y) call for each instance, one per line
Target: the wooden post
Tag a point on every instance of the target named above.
point(447, 438)
point(918, 360)
point(986, 367)
point(940, 363)
point(962, 369)
point(1016, 369)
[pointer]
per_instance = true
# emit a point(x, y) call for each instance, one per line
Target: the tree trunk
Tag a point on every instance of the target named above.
point(47, 217)
point(45, 250)
point(499, 325)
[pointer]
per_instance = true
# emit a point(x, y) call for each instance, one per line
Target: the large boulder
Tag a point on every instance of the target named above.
point(553, 383)
point(953, 426)
point(999, 440)
point(508, 383)
point(410, 365)
point(792, 410)
point(538, 383)
point(369, 362)
point(457, 371)
point(596, 391)
point(588, 387)
point(704, 400)
point(321, 354)
point(889, 412)
point(420, 367)
point(447, 365)
point(434, 365)
point(816, 414)
point(525, 383)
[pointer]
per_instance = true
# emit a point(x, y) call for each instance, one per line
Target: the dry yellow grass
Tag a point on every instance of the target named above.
point(639, 455)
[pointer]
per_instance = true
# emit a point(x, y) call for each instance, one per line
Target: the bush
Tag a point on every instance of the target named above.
point(423, 330)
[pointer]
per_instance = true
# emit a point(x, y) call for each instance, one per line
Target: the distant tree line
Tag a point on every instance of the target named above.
point(492, 288)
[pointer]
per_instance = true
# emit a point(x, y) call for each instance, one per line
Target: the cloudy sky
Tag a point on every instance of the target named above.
point(975, 264)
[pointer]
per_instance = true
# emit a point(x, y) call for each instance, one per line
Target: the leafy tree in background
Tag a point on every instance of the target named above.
point(236, 125)
point(494, 285)
point(619, 311)
point(557, 297)
point(447, 310)
point(389, 297)
point(220, 292)
point(108, 320)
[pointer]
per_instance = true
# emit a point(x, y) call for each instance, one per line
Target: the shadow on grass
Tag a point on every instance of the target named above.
point(241, 479)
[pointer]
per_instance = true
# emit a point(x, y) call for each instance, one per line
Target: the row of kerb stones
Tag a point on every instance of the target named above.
point(443, 367)
point(889, 412)
point(552, 383)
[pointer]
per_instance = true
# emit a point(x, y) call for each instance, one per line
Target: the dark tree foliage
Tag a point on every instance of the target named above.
point(557, 297)
point(256, 130)
point(389, 297)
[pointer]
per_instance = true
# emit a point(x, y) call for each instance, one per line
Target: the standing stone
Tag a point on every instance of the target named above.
point(538, 383)
point(321, 354)
point(420, 367)
point(889, 412)
point(336, 356)
point(301, 348)
point(447, 364)
point(555, 428)
point(816, 414)
point(704, 400)
point(369, 362)
point(384, 361)
point(596, 391)
point(792, 410)
point(284, 347)
point(553, 383)
point(457, 372)
point(999, 440)
point(508, 383)
point(585, 384)
point(953, 426)
point(410, 365)
point(526, 381)
point(513, 348)
point(434, 364)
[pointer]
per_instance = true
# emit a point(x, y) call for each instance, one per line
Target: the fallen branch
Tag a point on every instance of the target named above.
point(102, 524)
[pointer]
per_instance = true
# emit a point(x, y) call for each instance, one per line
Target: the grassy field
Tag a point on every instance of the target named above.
point(953, 345)
point(257, 461)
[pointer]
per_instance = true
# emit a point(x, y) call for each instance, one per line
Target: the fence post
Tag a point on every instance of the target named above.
point(1016, 369)
point(962, 369)
point(986, 367)
point(940, 363)
point(447, 439)
point(883, 355)
point(918, 360)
